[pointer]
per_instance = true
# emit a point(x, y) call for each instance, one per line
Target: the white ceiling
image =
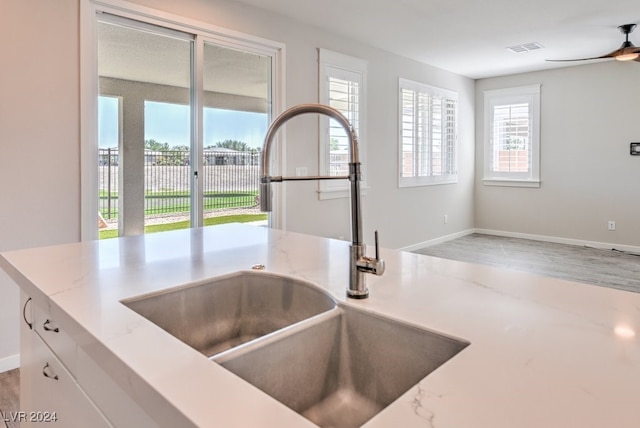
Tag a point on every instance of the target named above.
point(469, 37)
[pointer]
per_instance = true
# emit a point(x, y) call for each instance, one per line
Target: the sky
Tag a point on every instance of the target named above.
point(169, 123)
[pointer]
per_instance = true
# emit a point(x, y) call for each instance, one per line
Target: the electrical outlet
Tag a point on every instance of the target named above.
point(611, 225)
point(446, 219)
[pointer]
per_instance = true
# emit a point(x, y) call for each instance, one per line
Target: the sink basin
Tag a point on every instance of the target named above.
point(336, 365)
point(341, 369)
point(219, 314)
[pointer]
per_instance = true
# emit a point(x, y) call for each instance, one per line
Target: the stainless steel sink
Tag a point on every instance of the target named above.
point(343, 368)
point(220, 314)
point(336, 365)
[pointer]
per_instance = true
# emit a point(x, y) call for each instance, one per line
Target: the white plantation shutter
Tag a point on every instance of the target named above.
point(428, 135)
point(344, 96)
point(342, 86)
point(512, 142)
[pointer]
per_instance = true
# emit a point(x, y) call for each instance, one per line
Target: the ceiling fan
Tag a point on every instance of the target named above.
point(626, 52)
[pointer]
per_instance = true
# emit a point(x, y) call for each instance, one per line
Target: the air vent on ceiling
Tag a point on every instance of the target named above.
point(526, 47)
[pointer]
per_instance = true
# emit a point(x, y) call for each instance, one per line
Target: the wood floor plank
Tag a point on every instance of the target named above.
point(9, 396)
point(608, 268)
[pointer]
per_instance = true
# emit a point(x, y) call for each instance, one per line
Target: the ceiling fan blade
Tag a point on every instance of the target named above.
point(583, 59)
point(624, 52)
point(611, 54)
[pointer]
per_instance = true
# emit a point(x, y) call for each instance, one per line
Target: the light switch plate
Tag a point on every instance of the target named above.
point(635, 149)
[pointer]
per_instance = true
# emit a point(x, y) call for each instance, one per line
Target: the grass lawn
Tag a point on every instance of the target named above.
point(238, 218)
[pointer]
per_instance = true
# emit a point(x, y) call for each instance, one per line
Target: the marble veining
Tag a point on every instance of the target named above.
point(419, 407)
point(544, 352)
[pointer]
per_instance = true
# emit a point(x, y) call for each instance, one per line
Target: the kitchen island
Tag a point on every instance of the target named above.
point(543, 352)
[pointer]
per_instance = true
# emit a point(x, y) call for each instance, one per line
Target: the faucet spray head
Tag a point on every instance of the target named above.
point(265, 194)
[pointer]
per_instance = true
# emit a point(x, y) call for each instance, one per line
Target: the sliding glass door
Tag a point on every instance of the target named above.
point(181, 118)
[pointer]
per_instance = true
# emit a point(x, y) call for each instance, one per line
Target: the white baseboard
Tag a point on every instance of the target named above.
point(9, 363)
point(435, 241)
point(558, 240)
point(554, 239)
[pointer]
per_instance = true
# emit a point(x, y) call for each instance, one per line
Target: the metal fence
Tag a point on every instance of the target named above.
point(230, 180)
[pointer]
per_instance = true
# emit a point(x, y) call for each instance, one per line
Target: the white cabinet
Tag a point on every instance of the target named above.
point(61, 385)
point(55, 396)
point(49, 393)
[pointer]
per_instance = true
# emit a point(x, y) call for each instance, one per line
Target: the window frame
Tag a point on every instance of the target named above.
point(530, 95)
point(449, 177)
point(336, 65)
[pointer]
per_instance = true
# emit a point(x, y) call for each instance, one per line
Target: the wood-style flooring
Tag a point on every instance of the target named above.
point(608, 268)
point(9, 397)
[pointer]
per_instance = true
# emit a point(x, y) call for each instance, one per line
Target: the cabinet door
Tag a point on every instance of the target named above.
point(55, 336)
point(55, 397)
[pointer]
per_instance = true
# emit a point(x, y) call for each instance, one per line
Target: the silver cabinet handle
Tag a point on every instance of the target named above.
point(44, 372)
point(24, 314)
point(46, 327)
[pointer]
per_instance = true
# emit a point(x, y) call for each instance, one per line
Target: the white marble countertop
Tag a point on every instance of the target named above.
point(543, 352)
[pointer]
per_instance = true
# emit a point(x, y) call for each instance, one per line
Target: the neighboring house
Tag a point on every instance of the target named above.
point(108, 156)
point(225, 156)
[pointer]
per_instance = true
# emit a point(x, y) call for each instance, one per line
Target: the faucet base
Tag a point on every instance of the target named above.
point(356, 294)
point(357, 286)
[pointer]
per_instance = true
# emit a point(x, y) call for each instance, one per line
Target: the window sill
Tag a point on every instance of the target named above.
point(510, 183)
point(425, 183)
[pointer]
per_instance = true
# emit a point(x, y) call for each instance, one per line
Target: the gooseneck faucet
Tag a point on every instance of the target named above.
point(359, 263)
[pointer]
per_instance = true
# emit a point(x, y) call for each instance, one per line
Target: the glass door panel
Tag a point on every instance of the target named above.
point(237, 108)
point(149, 69)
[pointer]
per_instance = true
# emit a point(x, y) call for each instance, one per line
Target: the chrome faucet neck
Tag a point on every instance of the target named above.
point(359, 262)
point(283, 118)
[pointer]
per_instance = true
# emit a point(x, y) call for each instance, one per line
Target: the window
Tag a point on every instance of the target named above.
point(342, 86)
point(428, 135)
point(512, 137)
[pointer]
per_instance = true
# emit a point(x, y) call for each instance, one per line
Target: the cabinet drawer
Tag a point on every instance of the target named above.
point(55, 336)
point(56, 399)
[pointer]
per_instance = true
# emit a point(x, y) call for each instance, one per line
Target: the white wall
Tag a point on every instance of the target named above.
point(402, 216)
point(40, 142)
point(590, 114)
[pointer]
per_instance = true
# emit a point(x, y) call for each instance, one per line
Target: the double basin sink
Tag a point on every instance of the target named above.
point(335, 365)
